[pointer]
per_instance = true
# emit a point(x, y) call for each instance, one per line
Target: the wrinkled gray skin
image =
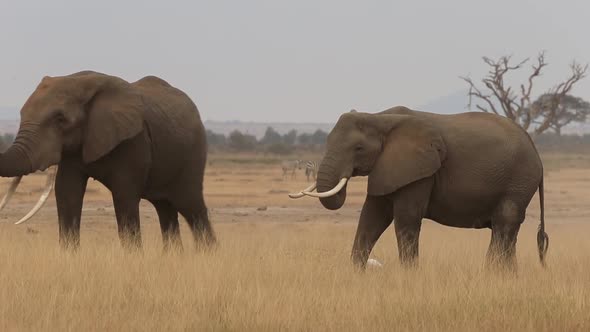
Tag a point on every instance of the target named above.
point(141, 140)
point(470, 170)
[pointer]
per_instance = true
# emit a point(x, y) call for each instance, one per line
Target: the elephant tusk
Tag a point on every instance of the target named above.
point(13, 185)
point(44, 196)
point(329, 193)
point(301, 193)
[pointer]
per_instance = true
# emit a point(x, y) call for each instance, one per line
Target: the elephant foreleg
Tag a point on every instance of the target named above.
point(70, 186)
point(127, 212)
point(410, 206)
point(376, 216)
point(407, 232)
point(168, 225)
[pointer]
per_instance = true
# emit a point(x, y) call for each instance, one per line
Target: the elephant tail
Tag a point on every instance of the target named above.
point(542, 238)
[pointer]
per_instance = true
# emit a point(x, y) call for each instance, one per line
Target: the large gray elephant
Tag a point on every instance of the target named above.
point(469, 170)
point(141, 140)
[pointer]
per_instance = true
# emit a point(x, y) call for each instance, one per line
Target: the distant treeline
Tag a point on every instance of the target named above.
point(271, 142)
point(564, 143)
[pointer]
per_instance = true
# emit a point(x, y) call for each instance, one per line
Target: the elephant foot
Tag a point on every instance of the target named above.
point(174, 248)
point(359, 259)
point(69, 243)
point(69, 247)
point(131, 243)
point(206, 243)
point(501, 263)
point(409, 264)
point(408, 253)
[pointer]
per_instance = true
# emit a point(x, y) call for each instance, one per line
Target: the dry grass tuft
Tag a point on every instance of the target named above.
point(277, 276)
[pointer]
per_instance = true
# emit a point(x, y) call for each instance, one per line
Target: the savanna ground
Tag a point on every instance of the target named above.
point(283, 264)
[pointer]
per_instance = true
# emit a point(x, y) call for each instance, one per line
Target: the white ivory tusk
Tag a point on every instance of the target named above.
point(44, 196)
point(301, 193)
point(329, 193)
point(11, 189)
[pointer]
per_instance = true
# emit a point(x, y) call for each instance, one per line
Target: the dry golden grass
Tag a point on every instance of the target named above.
point(290, 276)
point(289, 269)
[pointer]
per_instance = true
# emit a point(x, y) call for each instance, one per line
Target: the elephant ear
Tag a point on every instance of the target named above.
point(114, 114)
point(412, 150)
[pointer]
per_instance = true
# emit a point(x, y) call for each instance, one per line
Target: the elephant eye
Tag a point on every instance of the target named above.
point(60, 118)
point(359, 148)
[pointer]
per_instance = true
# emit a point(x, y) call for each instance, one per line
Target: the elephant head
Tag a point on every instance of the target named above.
point(85, 113)
point(392, 149)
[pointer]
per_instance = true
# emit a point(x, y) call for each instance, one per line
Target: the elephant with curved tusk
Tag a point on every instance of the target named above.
point(48, 187)
point(469, 170)
point(141, 140)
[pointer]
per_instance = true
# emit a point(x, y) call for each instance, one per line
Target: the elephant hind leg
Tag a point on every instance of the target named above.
point(197, 217)
point(169, 225)
point(187, 198)
point(505, 226)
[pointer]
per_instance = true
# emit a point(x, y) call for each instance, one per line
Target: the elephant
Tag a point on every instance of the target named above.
point(468, 170)
point(141, 140)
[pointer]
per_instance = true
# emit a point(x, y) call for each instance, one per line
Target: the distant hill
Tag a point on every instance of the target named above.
point(456, 102)
point(452, 103)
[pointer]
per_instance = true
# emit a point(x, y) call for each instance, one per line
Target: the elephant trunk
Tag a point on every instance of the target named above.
point(16, 161)
point(328, 177)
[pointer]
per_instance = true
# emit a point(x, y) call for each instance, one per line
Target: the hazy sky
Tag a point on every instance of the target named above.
point(288, 60)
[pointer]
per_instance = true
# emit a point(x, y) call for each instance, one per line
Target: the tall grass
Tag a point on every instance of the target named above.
point(289, 276)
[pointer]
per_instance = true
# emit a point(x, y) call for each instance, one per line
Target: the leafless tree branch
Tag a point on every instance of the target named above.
point(475, 92)
point(519, 107)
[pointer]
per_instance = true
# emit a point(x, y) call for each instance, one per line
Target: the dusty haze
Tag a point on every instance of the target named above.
point(297, 61)
point(283, 264)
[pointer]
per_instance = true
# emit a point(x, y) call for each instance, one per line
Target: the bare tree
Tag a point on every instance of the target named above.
point(501, 99)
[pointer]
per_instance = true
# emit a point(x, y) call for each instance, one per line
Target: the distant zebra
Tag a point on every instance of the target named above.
point(311, 168)
point(290, 165)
